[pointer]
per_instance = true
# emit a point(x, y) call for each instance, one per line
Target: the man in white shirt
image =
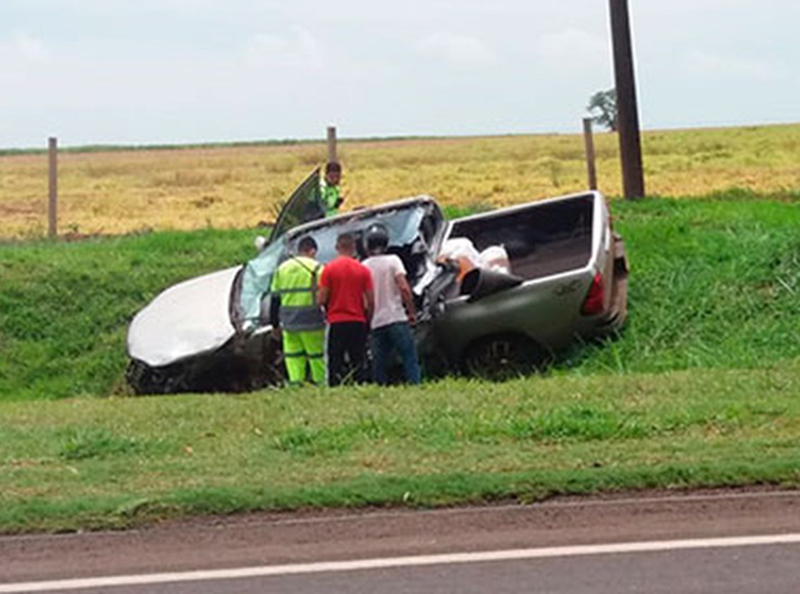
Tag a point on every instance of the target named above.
point(394, 312)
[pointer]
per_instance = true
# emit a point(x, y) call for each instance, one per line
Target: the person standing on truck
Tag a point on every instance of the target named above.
point(330, 192)
point(295, 314)
point(394, 310)
point(346, 293)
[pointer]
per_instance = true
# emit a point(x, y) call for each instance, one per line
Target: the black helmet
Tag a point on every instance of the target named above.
point(376, 238)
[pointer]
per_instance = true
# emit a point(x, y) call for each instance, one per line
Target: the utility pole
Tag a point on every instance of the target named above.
point(627, 112)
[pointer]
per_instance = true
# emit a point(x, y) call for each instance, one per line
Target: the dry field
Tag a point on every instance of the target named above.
point(122, 191)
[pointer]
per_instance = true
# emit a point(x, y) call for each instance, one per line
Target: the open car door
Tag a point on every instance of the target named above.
point(304, 205)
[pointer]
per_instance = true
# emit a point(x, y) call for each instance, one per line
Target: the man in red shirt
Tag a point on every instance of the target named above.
point(346, 293)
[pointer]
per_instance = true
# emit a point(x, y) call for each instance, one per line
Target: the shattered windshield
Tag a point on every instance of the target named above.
point(409, 237)
point(256, 281)
point(403, 226)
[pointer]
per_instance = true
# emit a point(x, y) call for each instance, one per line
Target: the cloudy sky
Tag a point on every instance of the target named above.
point(175, 71)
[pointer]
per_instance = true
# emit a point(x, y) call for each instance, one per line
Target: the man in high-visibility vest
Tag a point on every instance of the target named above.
point(295, 311)
point(330, 192)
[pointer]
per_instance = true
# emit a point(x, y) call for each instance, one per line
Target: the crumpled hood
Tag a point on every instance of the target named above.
point(187, 319)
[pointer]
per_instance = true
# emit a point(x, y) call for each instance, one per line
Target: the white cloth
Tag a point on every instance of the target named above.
point(495, 257)
point(463, 251)
point(461, 248)
point(388, 302)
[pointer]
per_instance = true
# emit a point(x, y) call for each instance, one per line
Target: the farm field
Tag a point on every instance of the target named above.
point(121, 191)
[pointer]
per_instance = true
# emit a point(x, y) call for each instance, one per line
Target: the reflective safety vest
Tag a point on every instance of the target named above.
point(330, 199)
point(295, 282)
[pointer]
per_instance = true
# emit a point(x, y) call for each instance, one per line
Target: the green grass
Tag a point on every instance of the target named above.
point(714, 283)
point(117, 462)
point(702, 389)
point(65, 307)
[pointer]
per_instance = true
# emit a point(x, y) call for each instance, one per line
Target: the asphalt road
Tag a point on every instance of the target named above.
point(703, 542)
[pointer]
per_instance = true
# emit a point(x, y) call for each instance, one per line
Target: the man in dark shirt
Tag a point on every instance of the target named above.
point(346, 293)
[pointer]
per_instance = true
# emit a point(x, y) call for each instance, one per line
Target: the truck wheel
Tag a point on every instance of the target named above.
point(504, 357)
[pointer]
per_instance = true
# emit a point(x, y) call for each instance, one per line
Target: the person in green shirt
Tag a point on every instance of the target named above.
point(331, 194)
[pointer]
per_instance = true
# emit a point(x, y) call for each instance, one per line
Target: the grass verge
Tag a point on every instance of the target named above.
point(65, 306)
point(714, 283)
point(700, 390)
point(92, 463)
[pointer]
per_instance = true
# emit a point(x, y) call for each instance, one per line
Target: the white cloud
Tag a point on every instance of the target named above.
point(299, 49)
point(89, 7)
point(708, 65)
point(26, 48)
point(574, 50)
point(152, 69)
point(460, 50)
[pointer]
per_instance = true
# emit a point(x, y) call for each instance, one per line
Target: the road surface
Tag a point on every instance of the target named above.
point(734, 542)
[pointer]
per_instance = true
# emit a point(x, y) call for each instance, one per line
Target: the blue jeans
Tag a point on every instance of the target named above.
point(388, 339)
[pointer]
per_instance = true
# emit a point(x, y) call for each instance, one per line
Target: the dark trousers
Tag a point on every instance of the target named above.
point(347, 352)
point(389, 339)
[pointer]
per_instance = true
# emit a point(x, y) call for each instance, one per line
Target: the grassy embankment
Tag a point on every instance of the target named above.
point(234, 186)
point(701, 389)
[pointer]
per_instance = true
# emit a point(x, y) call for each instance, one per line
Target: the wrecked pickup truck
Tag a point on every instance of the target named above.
point(498, 293)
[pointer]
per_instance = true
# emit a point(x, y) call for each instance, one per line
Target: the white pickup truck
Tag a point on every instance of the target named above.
point(561, 276)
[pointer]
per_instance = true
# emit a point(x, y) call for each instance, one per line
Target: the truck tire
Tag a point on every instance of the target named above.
point(504, 356)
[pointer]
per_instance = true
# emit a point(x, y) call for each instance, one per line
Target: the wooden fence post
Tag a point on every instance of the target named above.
point(588, 139)
point(331, 144)
point(52, 204)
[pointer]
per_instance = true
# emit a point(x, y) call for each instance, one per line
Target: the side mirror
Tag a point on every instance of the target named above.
point(260, 242)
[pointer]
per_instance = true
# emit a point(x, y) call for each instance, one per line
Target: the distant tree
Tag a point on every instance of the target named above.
point(603, 108)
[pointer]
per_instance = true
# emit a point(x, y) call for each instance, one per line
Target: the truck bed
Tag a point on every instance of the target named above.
point(541, 239)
